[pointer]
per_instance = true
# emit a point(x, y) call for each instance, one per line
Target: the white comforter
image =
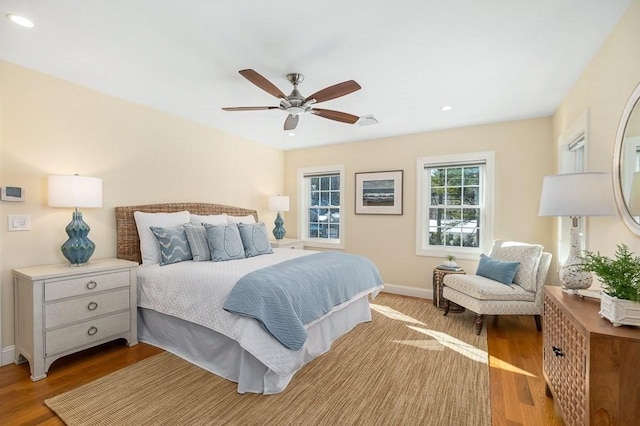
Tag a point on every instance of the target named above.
point(196, 291)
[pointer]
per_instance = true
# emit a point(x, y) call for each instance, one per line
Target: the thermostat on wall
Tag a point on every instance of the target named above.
point(12, 193)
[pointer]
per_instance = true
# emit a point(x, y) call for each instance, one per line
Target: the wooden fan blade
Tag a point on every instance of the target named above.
point(258, 108)
point(335, 115)
point(291, 122)
point(334, 91)
point(262, 83)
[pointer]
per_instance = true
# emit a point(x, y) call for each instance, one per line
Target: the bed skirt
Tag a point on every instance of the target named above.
point(225, 357)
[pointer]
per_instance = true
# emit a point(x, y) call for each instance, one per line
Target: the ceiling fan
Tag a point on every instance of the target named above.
point(295, 104)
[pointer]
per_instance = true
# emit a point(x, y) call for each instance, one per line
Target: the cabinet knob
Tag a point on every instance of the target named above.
point(92, 284)
point(92, 330)
point(557, 351)
point(92, 306)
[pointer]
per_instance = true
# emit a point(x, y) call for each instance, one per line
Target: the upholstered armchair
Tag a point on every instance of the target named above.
point(509, 281)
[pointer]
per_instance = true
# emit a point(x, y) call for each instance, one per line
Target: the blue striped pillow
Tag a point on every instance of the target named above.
point(174, 246)
point(197, 238)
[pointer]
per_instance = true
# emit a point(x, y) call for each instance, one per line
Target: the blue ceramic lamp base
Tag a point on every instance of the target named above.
point(78, 249)
point(279, 231)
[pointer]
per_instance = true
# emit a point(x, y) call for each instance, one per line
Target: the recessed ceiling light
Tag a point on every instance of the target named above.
point(446, 108)
point(20, 20)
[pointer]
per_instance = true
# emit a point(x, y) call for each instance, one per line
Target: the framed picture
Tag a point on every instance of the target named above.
point(379, 192)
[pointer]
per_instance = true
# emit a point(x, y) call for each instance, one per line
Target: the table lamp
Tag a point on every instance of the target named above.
point(76, 192)
point(576, 195)
point(279, 203)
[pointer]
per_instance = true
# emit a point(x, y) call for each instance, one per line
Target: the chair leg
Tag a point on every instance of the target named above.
point(538, 322)
point(445, 303)
point(478, 323)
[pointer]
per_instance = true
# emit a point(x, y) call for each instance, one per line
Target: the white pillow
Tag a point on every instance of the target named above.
point(528, 255)
point(248, 219)
point(149, 247)
point(214, 219)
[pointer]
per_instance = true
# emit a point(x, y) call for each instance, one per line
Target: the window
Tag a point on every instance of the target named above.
point(455, 201)
point(572, 155)
point(320, 218)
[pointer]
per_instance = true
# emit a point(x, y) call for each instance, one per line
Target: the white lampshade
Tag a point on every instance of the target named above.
point(279, 203)
point(634, 196)
point(577, 195)
point(74, 191)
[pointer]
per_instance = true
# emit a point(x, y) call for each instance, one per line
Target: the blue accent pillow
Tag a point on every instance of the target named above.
point(224, 242)
point(174, 246)
point(497, 270)
point(254, 239)
point(197, 238)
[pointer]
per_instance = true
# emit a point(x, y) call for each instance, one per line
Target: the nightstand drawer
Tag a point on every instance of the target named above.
point(83, 308)
point(59, 289)
point(61, 340)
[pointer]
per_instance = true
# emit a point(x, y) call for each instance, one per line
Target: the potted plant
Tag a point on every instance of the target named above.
point(451, 261)
point(620, 277)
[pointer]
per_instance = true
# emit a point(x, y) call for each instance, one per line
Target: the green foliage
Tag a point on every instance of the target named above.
point(620, 277)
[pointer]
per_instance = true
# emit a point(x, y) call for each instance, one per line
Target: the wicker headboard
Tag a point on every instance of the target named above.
point(128, 240)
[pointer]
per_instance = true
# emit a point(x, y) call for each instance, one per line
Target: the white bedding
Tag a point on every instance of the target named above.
point(196, 291)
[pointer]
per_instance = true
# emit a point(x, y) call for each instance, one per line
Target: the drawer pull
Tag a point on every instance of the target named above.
point(93, 330)
point(92, 306)
point(92, 284)
point(557, 351)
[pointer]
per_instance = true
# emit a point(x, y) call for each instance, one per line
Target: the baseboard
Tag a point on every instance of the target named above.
point(7, 355)
point(408, 291)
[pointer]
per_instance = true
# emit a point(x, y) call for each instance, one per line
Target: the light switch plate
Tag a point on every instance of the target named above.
point(19, 222)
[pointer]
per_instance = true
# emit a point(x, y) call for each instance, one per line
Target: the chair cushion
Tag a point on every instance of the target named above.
point(486, 289)
point(497, 270)
point(527, 254)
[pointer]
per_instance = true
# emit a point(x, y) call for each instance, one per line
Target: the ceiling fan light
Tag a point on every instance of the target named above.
point(295, 110)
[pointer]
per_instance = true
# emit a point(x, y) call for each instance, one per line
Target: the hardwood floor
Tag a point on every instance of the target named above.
point(517, 386)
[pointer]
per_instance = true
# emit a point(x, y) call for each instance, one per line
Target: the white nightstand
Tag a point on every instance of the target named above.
point(290, 243)
point(60, 309)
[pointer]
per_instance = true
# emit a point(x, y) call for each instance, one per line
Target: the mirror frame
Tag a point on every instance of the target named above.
point(628, 220)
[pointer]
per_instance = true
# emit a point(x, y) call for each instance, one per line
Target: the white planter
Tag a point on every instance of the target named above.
point(450, 263)
point(619, 311)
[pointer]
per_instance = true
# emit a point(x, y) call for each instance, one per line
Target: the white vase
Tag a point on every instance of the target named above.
point(571, 274)
point(450, 263)
point(619, 311)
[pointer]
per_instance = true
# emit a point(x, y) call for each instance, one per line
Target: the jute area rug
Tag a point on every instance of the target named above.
point(409, 366)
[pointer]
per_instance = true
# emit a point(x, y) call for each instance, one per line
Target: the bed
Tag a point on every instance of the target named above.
point(235, 347)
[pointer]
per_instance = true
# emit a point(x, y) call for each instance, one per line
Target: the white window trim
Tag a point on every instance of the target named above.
point(303, 218)
point(486, 239)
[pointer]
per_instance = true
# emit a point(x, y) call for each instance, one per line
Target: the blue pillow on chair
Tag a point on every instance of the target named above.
point(497, 270)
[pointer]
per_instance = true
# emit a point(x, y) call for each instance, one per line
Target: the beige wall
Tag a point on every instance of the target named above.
point(523, 155)
point(143, 156)
point(603, 90)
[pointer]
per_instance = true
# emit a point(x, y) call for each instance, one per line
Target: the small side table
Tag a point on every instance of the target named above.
point(438, 301)
point(288, 243)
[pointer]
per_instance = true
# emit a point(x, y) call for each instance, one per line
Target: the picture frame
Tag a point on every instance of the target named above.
point(379, 192)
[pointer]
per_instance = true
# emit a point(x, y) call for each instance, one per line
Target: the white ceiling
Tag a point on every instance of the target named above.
point(492, 60)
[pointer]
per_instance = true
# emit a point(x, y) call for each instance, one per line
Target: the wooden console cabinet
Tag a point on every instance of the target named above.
point(591, 368)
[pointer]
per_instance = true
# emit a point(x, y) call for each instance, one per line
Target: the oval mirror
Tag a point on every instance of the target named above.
point(626, 163)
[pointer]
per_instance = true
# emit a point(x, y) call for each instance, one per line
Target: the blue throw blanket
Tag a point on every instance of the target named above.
point(286, 296)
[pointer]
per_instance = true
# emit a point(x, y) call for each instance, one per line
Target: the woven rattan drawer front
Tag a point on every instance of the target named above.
point(90, 283)
point(565, 352)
